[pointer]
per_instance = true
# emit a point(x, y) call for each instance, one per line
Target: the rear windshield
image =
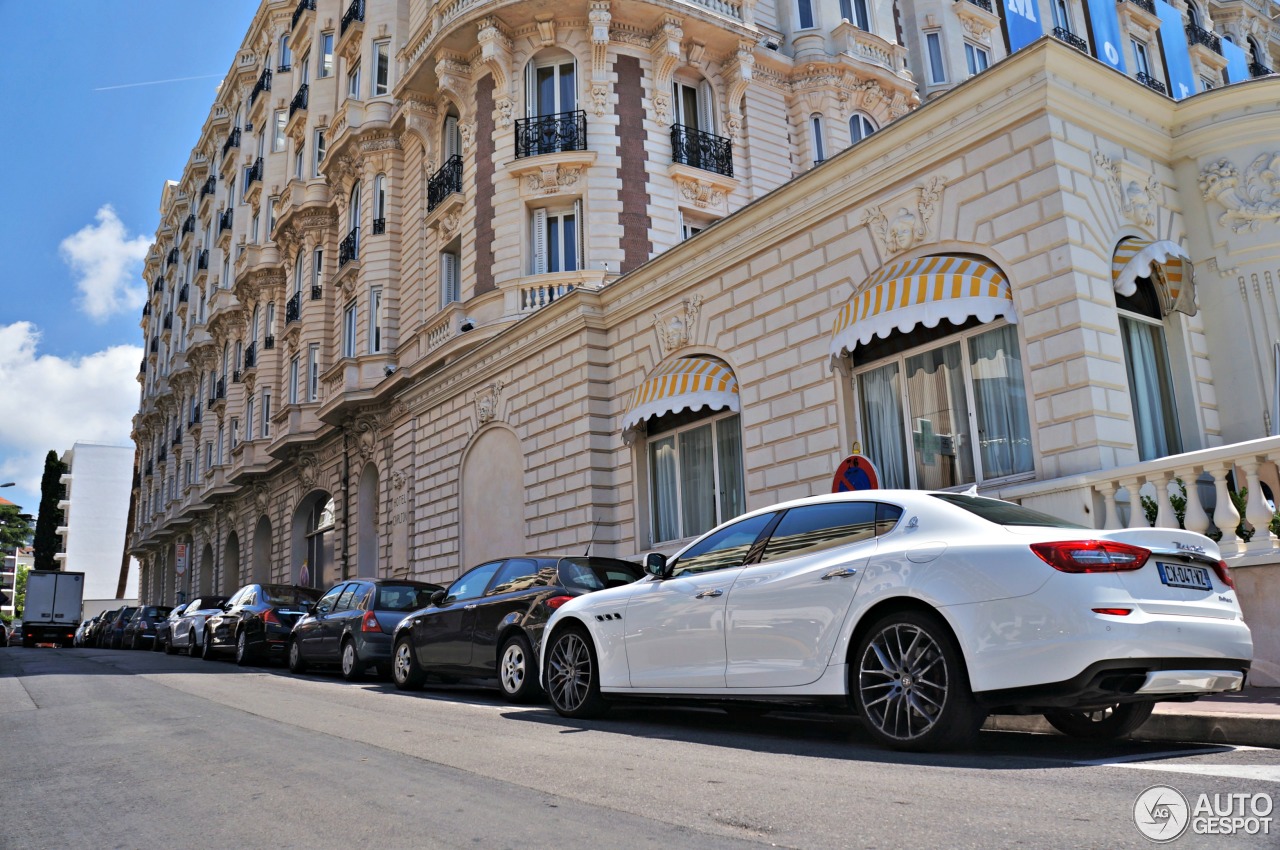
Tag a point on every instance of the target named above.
point(156, 611)
point(286, 595)
point(404, 597)
point(1003, 513)
point(597, 573)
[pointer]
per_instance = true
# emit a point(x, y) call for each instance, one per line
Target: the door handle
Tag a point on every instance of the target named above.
point(470, 607)
point(709, 594)
point(843, 573)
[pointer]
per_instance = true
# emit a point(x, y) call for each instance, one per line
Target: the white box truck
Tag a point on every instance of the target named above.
point(52, 608)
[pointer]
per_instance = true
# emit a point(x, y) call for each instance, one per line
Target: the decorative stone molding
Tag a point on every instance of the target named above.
point(700, 193)
point(400, 478)
point(486, 401)
point(600, 18)
point(454, 79)
point(1136, 197)
point(909, 226)
point(551, 179)
point(1251, 198)
point(665, 53)
point(546, 29)
point(420, 116)
point(495, 55)
point(676, 325)
point(364, 430)
point(308, 468)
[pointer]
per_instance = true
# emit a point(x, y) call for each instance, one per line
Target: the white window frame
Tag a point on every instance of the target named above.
point(350, 327)
point(531, 85)
point(674, 434)
point(450, 278)
point(353, 81)
point(266, 413)
point(313, 372)
point(818, 133)
point(318, 149)
point(976, 58)
point(856, 13)
point(294, 367)
point(380, 85)
point(935, 57)
point(375, 320)
point(544, 218)
point(286, 55)
point(380, 197)
point(1141, 57)
point(325, 57)
point(278, 123)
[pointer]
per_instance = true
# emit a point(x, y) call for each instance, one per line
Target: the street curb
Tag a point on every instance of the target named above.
point(1250, 730)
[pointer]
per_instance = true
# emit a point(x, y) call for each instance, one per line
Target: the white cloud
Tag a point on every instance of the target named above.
point(107, 265)
point(51, 402)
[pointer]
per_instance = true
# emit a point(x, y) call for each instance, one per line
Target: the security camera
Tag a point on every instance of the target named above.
point(389, 370)
point(770, 43)
point(468, 324)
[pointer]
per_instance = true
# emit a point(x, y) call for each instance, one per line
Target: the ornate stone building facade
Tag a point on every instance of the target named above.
point(447, 281)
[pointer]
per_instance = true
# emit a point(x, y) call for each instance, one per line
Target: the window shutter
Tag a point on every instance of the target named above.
point(581, 230)
point(539, 241)
point(451, 141)
point(448, 278)
point(530, 90)
point(706, 108)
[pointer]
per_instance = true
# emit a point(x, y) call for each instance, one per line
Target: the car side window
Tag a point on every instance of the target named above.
point(887, 517)
point(472, 583)
point(723, 549)
point(329, 600)
point(348, 594)
point(813, 528)
point(519, 574)
point(363, 596)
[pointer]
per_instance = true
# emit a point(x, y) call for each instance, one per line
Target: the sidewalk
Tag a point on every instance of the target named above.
point(1250, 718)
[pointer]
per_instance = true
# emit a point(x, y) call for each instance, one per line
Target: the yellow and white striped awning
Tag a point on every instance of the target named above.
point(1135, 258)
point(925, 291)
point(686, 383)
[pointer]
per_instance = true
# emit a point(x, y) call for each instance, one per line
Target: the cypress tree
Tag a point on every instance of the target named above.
point(47, 542)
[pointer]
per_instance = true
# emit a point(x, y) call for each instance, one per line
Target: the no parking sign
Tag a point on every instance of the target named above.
point(857, 472)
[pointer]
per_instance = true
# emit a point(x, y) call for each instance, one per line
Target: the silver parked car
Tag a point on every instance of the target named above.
point(185, 632)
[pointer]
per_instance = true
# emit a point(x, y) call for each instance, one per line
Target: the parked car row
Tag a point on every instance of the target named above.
point(924, 612)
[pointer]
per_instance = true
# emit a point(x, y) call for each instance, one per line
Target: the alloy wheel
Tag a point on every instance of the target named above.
point(570, 672)
point(903, 681)
point(514, 668)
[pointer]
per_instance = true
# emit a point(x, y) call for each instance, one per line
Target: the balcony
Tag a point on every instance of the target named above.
point(163, 454)
point(146, 309)
point(142, 367)
point(202, 260)
point(1151, 83)
point(304, 6)
point(224, 220)
point(154, 347)
point(184, 293)
point(263, 84)
point(219, 393)
point(268, 342)
point(237, 376)
point(699, 149)
point(985, 5)
point(1066, 36)
point(189, 224)
point(177, 436)
point(196, 416)
point(167, 324)
point(317, 292)
point(445, 182)
point(251, 356)
point(158, 286)
point(232, 142)
point(299, 101)
point(564, 131)
point(255, 173)
point(1201, 36)
point(172, 258)
point(293, 308)
point(1257, 69)
point(210, 186)
point(349, 248)
point(354, 14)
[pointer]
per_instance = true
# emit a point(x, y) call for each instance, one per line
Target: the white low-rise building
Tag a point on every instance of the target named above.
point(95, 510)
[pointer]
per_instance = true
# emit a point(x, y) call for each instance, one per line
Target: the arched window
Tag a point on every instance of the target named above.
point(297, 274)
point(253, 328)
point(1256, 53)
point(1146, 357)
point(551, 84)
point(694, 102)
point(860, 126)
point(1062, 15)
point(1193, 16)
point(451, 136)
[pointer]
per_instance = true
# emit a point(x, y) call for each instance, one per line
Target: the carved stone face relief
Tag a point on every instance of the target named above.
point(486, 401)
point(676, 326)
point(1251, 199)
point(909, 226)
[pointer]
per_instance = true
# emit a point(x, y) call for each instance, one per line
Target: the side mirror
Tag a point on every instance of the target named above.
point(225, 606)
point(438, 598)
point(655, 564)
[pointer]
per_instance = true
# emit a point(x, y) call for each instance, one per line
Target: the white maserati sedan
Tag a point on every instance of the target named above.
point(924, 611)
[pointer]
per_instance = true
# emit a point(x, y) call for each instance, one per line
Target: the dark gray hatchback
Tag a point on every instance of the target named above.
point(351, 625)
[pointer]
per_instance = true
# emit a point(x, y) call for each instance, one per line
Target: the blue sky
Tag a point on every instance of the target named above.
point(99, 117)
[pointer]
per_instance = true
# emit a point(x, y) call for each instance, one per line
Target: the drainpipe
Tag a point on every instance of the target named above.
point(346, 506)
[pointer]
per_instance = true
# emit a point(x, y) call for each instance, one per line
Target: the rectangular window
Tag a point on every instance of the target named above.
point(293, 380)
point(305, 65)
point(318, 146)
point(299, 162)
point(375, 320)
point(855, 11)
point(556, 242)
point(253, 228)
point(286, 55)
point(353, 82)
point(1141, 65)
point(221, 442)
point(937, 71)
point(381, 68)
point(1155, 411)
point(235, 431)
point(186, 473)
point(248, 419)
point(313, 372)
point(266, 413)
point(976, 57)
point(317, 268)
point(349, 331)
point(695, 478)
point(277, 137)
point(326, 55)
point(450, 278)
point(804, 14)
point(271, 217)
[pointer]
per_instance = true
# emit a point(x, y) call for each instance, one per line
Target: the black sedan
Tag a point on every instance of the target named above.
point(256, 621)
point(140, 631)
point(488, 624)
point(352, 623)
point(112, 633)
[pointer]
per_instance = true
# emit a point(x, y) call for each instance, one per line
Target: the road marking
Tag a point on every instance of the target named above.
point(1122, 761)
point(1257, 772)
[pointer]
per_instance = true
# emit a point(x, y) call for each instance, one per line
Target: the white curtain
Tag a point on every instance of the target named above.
point(939, 413)
point(1004, 431)
point(697, 481)
point(662, 468)
point(729, 457)
point(1150, 389)
point(881, 407)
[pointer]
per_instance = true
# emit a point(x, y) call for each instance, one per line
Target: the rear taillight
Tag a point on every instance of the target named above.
point(144, 625)
point(269, 616)
point(1114, 612)
point(1224, 573)
point(369, 622)
point(556, 601)
point(1091, 556)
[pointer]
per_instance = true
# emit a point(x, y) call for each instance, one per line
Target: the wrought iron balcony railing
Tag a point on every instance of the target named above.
point(189, 224)
point(184, 293)
point(196, 416)
point(220, 389)
point(299, 100)
point(177, 436)
point(268, 342)
point(355, 12)
point(155, 345)
point(172, 259)
point(564, 131)
point(1257, 69)
point(251, 356)
point(1199, 35)
point(142, 367)
point(304, 6)
point(690, 146)
point(982, 4)
point(167, 324)
point(293, 308)
point(236, 376)
point(158, 286)
point(255, 173)
point(379, 226)
point(1151, 82)
point(263, 84)
point(444, 182)
point(1147, 6)
point(224, 220)
point(349, 248)
point(163, 454)
point(284, 68)
point(202, 259)
point(317, 292)
point(146, 309)
point(210, 186)
point(233, 141)
point(1068, 37)
point(150, 468)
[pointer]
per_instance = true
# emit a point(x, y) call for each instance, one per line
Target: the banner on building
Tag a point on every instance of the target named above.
point(1237, 62)
point(180, 559)
point(1177, 55)
point(1107, 40)
point(1022, 22)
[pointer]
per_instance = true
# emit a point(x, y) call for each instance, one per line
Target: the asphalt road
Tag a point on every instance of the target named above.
point(104, 748)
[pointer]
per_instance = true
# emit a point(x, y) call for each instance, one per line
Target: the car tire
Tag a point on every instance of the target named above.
point(244, 656)
point(296, 664)
point(349, 660)
point(207, 652)
point(516, 671)
point(573, 675)
point(137, 642)
point(194, 648)
point(1101, 724)
point(910, 685)
point(405, 670)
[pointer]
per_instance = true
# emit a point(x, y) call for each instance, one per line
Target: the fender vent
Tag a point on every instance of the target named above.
point(603, 617)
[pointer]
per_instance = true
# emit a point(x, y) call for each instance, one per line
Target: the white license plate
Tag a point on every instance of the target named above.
point(1181, 575)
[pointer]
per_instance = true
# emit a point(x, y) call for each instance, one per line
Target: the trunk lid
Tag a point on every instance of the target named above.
point(1180, 577)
